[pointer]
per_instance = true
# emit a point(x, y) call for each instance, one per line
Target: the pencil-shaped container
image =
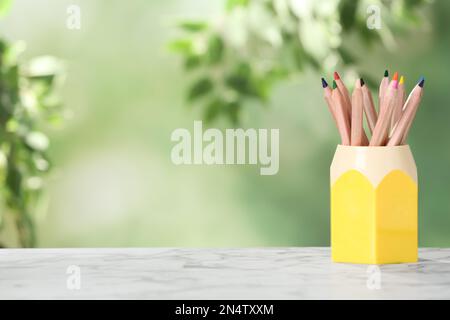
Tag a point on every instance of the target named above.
point(374, 205)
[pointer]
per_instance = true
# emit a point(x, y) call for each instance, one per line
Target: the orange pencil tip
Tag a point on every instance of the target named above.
point(395, 77)
point(336, 76)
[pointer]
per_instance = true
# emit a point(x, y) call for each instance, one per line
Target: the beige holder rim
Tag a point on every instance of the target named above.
point(373, 162)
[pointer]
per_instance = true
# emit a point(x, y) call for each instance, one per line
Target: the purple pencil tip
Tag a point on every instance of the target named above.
point(324, 83)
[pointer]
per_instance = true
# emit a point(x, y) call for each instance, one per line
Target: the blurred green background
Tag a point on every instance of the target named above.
point(114, 183)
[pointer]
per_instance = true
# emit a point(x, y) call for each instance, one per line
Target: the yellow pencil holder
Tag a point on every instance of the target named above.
point(374, 205)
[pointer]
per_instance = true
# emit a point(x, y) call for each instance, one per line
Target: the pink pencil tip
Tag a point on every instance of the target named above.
point(395, 83)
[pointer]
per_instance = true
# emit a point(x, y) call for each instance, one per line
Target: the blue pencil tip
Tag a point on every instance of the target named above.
point(324, 83)
point(421, 81)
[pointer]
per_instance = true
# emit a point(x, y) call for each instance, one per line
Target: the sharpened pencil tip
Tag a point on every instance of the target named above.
point(386, 73)
point(421, 82)
point(402, 80)
point(334, 84)
point(395, 77)
point(395, 84)
point(361, 81)
point(336, 76)
point(324, 83)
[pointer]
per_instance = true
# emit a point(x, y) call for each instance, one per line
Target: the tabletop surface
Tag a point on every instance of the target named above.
point(181, 273)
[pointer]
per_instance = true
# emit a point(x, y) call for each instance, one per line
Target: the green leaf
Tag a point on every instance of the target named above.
point(277, 73)
point(193, 26)
point(232, 4)
point(192, 62)
point(215, 49)
point(12, 52)
point(14, 181)
point(347, 13)
point(213, 110)
point(199, 89)
point(22, 145)
point(233, 112)
point(244, 82)
point(5, 5)
point(411, 4)
point(11, 78)
point(239, 83)
point(55, 119)
point(183, 46)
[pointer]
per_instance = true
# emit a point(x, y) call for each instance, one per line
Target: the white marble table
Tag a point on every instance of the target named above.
point(253, 273)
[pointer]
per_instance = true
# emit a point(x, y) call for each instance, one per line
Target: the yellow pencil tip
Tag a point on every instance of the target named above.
point(402, 80)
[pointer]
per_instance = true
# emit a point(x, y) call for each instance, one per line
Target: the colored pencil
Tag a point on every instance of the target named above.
point(388, 127)
point(381, 131)
point(382, 90)
point(345, 95)
point(369, 107)
point(341, 115)
point(401, 131)
point(399, 101)
point(327, 95)
point(357, 131)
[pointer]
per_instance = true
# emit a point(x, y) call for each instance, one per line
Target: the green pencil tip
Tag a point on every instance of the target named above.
point(334, 84)
point(386, 73)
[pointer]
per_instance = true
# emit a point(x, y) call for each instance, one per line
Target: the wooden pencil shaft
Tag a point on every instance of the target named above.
point(390, 127)
point(415, 106)
point(380, 133)
point(398, 106)
point(364, 139)
point(341, 117)
point(346, 97)
point(382, 91)
point(369, 108)
point(357, 118)
point(411, 121)
point(401, 130)
point(329, 101)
